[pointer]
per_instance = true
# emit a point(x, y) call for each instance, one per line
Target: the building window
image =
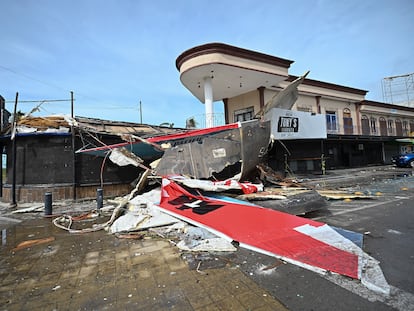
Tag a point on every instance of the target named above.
point(405, 128)
point(304, 109)
point(373, 125)
point(348, 124)
point(244, 114)
point(390, 126)
point(365, 125)
point(398, 127)
point(331, 124)
point(383, 127)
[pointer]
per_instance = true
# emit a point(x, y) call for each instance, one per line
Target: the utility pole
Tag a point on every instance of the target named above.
point(72, 130)
point(14, 156)
point(140, 112)
point(2, 125)
point(72, 113)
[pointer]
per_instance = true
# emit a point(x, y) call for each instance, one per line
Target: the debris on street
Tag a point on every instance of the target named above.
point(307, 243)
point(342, 195)
point(141, 213)
point(216, 194)
point(34, 208)
point(30, 243)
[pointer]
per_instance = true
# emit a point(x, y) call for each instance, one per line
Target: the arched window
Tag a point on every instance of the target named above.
point(398, 127)
point(365, 125)
point(348, 125)
point(405, 127)
point(373, 125)
point(390, 126)
point(383, 126)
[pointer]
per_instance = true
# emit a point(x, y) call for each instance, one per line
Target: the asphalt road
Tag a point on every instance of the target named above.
point(387, 224)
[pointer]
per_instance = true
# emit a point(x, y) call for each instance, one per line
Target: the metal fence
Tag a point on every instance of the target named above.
point(200, 120)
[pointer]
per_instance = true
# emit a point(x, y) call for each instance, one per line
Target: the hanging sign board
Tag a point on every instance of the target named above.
point(290, 124)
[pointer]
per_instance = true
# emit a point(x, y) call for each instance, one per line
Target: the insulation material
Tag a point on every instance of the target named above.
point(43, 122)
point(122, 157)
point(141, 214)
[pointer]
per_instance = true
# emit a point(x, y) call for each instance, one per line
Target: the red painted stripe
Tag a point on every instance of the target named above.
point(170, 137)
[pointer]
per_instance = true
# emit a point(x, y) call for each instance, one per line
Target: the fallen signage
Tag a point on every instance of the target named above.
point(304, 242)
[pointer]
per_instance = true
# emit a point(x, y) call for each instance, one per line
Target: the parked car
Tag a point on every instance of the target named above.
point(404, 160)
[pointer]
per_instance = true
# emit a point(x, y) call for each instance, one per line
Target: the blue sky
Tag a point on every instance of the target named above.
point(115, 53)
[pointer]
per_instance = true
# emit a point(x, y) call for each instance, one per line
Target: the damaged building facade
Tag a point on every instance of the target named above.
point(357, 132)
point(43, 156)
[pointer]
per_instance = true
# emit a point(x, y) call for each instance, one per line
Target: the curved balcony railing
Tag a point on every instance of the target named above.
point(199, 121)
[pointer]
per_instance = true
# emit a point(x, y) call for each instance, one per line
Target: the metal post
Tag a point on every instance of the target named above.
point(72, 129)
point(72, 113)
point(99, 198)
point(14, 149)
point(48, 203)
point(140, 112)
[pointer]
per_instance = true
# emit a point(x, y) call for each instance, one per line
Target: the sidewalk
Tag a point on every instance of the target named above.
point(98, 271)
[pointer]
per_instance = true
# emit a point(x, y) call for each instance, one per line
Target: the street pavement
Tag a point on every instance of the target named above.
point(386, 221)
point(98, 271)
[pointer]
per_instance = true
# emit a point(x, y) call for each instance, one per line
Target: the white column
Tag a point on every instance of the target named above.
point(208, 102)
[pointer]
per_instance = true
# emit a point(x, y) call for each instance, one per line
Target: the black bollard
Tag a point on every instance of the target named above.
point(99, 198)
point(48, 203)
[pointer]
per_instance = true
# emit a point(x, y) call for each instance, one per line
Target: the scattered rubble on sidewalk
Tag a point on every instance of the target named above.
point(218, 217)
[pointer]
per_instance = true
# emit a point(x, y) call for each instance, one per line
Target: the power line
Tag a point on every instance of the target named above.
point(31, 78)
point(40, 101)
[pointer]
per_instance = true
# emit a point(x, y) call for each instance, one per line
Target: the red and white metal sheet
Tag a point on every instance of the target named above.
point(264, 230)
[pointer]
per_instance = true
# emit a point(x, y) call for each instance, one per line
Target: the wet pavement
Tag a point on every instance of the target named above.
point(99, 271)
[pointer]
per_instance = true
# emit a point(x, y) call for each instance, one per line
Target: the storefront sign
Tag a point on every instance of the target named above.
point(290, 124)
